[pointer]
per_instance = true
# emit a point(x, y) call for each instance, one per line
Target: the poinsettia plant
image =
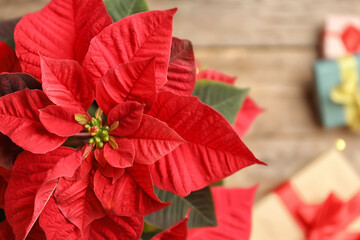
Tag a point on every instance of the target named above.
point(99, 130)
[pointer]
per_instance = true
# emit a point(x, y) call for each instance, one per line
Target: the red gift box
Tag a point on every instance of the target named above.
point(322, 201)
point(341, 36)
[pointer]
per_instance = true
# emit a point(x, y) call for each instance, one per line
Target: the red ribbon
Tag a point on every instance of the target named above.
point(351, 39)
point(325, 221)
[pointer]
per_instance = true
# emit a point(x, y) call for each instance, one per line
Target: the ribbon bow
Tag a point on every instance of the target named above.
point(348, 93)
point(351, 39)
point(326, 221)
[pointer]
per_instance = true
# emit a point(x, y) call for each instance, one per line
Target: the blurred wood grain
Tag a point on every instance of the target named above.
point(253, 22)
point(270, 45)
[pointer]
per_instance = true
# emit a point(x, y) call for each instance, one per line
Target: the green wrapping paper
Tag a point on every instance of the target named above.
point(329, 75)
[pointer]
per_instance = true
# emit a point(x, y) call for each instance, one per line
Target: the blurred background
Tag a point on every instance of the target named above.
point(270, 45)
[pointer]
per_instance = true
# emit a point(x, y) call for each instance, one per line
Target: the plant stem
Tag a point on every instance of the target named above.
point(82, 134)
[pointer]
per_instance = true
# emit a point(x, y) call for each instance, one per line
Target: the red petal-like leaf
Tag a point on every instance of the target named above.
point(214, 150)
point(181, 72)
point(4, 178)
point(215, 75)
point(122, 157)
point(86, 165)
point(77, 202)
point(176, 232)
point(62, 30)
point(99, 156)
point(137, 37)
point(5, 173)
point(8, 151)
point(33, 180)
point(8, 59)
point(55, 225)
point(233, 212)
point(13, 82)
point(115, 228)
point(111, 172)
point(133, 81)
point(246, 116)
point(60, 121)
point(131, 195)
point(19, 119)
point(65, 83)
point(3, 185)
point(128, 115)
point(9, 83)
point(6, 231)
point(107, 228)
point(153, 140)
point(36, 233)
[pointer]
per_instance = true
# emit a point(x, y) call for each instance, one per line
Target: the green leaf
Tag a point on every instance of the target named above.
point(7, 31)
point(224, 98)
point(149, 232)
point(119, 9)
point(92, 109)
point(202, 209)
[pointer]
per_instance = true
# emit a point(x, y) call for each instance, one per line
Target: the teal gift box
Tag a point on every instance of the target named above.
point(341, 74)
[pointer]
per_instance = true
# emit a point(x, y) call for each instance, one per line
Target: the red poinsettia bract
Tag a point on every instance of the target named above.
point(8, 59)
point(233, 208)
point(142, 134)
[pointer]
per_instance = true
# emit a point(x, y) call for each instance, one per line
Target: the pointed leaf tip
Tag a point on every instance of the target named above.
point(82, 118)
point(98, 113)
point(34, 179)
point(87, 150)
point(132, 81)
point(77, 202)
point(66, 84)
point(178, 231)
point(59, 121)
point(246, 116)
point(143, 35)
point(153, 140)
point(79, 22)
point(210, 156)
point(20, 121)
point(113, 126)
point(181, 70)
point(173, 10)
point(224, 98)
point(140, 197)
point(113, 143)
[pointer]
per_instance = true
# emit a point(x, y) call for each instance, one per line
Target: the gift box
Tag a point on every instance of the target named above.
point(341, 36)
point(338, 92)
point(322, 201)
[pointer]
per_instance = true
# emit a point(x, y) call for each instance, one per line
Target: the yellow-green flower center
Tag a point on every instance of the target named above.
point(99, 133)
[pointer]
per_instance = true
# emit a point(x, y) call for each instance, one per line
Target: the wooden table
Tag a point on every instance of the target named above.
point(271, 46)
